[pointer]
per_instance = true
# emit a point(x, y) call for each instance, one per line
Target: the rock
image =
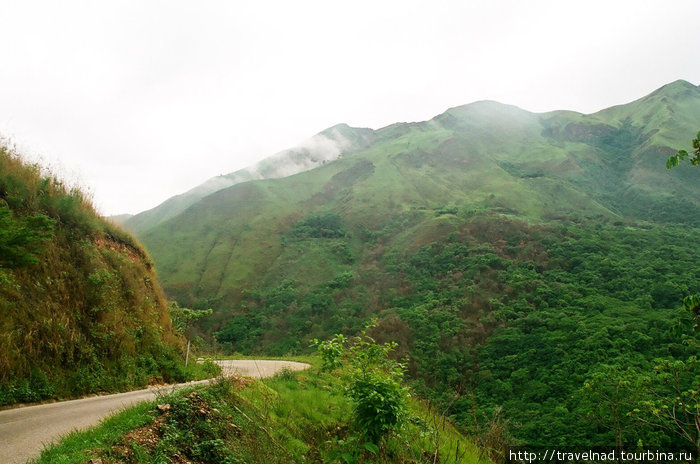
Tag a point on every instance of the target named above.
point(163, 407)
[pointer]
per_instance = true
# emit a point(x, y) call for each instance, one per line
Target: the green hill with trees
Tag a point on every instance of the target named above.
point(517, 259)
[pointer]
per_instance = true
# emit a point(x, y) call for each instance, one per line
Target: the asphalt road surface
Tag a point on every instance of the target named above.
point(25, 431)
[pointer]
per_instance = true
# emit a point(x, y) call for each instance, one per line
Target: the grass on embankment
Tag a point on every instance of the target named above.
point(293, 417)
point(81, 310)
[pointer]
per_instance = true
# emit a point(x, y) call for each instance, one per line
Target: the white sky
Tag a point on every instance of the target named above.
point(142, 100)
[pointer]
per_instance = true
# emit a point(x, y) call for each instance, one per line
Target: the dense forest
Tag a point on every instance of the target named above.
point(504, 317)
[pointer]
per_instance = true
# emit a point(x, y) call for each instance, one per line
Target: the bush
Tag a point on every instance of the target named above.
point(330, 351)
point(379, 404)
point(379, 398)
point(322, 226)
point(29, 390)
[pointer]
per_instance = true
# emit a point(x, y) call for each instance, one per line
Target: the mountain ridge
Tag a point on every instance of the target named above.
point(485, 153)
point(475, 116)
point(325, 146)
point(511, 255)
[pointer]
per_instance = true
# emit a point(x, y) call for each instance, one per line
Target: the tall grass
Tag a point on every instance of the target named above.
point(293, 417)
point(80, 307)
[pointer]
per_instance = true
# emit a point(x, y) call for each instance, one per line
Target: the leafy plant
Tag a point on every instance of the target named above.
point(330, 351)
point(183, 319)
point(375, 387)
point(21, 238)
point(674, 403)
point(691, 303)
point(674, 160)
point(320, 226)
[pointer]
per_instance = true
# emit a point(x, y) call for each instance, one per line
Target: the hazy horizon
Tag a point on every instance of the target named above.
point(140, 101)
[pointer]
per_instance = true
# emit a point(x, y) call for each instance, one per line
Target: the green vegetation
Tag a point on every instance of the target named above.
point(506, 320)
point(293, 417)
point(80, 311)
point(21, 238)
point(183, 319)
point(516, 258)
point(379, 398)
point(674, 160)
point(345, 138)
point(322, 226)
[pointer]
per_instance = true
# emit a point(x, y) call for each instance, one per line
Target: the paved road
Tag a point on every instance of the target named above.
point(25, 431)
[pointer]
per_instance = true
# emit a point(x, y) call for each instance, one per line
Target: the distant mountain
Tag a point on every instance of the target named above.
point(484, 156)
point(119, 219)
point(512, 255)
point(326, 146)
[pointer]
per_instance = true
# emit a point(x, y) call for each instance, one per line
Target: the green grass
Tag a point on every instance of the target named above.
point(293, 417)
point(78, 447)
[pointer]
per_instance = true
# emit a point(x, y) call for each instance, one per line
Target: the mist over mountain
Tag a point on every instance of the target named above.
point(484, 155)
point(326, 146)
point(631, 127)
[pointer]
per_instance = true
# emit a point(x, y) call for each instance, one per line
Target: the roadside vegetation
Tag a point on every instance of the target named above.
point(504, 322)
point(314, 416)
point(80, 309)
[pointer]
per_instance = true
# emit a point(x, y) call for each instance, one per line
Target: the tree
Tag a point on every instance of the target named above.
point(607, 398)
point(183, 320)
point(674, 403)
point(378, 395)
point(691, 303)
point(674, 160)
point(675, 387)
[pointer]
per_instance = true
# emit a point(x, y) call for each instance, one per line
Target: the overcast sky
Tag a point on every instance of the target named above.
point(142, 100)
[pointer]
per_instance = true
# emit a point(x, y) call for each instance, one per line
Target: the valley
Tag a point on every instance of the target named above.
point(535, 270)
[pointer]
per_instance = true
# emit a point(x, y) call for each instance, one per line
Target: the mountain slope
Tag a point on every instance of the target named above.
point(511, 255)
point(319, 149)
point(484, 155)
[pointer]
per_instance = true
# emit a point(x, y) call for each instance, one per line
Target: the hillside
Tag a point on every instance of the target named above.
point(485, 156)
point(80, 308)
point(326, 146)
point(291, 418)
point(512, 255)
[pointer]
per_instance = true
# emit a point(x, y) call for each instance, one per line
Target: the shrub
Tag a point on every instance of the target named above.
point(379, 404)
point(330, 351)
point(378, 396)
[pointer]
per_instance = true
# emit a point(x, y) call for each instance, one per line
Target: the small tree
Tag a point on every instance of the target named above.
point(183, 320)
point(691, 303)
point(607, 398)
point(376, 389)
point(331, 351)
point(675, 387)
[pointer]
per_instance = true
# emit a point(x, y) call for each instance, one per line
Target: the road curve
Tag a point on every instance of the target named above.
point(25, 431)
